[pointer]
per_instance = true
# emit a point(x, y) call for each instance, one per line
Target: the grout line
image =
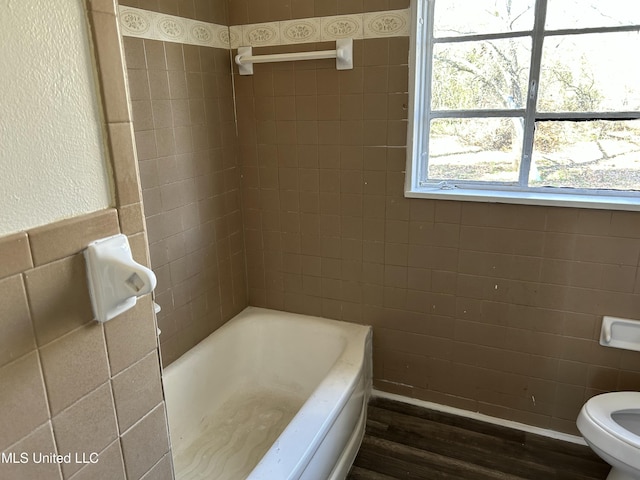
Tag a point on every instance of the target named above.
point(144, 417)
point(168, 454)
point(84, 467)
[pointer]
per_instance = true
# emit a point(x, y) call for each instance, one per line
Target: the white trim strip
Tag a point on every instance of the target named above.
point(481, 416)
point(628, 201)
point(135, 22)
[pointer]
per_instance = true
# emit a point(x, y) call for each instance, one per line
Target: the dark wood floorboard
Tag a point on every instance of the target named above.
point(408, 442)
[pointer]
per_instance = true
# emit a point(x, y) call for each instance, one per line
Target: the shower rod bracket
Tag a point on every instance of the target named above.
point(343, 55)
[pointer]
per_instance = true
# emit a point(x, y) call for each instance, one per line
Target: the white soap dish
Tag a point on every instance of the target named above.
point(620, 333)
point(116, 280)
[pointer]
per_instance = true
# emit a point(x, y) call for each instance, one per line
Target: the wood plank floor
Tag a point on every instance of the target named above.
point(404, 441)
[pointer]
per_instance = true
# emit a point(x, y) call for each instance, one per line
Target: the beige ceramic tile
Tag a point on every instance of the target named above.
point(125, 166)
point(62, 239)
point(163, 470)
point(134, 51)
point(131, 336)
point(38, 442)
point(23, 404)
point(137, 390)
point(138, 81)
point(144, 444)
point(74, 365)
point(96, 415)
point(131, 219)
point(625, 224)
point(142, 115)
point(59, 297)
point(158, 84)
point(110, 466)
point(16, 331)
point(15, 256)
point(139, 248)
point(105, 6)
point(110, 59)
point(171, 349)
point(398, 4)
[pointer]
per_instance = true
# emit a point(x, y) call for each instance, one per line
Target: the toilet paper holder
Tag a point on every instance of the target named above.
point(115, 279)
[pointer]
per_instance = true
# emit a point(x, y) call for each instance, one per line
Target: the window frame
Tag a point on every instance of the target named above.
point(420, 57)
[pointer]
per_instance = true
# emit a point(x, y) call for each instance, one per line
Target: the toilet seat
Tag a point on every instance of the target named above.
point(601, 407)
point(603, 432)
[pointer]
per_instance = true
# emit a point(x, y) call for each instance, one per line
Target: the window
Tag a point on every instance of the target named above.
point(527, 101)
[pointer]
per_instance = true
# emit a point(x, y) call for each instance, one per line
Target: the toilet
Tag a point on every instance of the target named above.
point(610, 424)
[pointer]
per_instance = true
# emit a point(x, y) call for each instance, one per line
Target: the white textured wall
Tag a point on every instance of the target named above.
point(52, 159)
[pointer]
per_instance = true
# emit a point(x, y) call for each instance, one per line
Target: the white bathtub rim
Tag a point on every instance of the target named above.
point(344, 463)
point(243, 317)
point(324, 419)
point(264, 469)
point(298, 449)
point(353, 330)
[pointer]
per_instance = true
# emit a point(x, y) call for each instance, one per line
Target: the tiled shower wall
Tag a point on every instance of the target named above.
point(184, 124)
point(492, 308)
point(488, 307)
point(69, 385)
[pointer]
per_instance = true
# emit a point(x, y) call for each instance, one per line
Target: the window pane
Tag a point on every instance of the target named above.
point(590, 73)
point(596, 154)
point(490, 74)
point(482, 149)
point(464, 17)
point(594, 13)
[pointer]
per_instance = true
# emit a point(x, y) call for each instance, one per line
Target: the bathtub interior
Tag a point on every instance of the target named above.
point(245, 383)
point(235, 436)
point(273, 353)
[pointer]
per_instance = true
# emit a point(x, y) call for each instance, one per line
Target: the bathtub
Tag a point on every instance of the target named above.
point(270, 396)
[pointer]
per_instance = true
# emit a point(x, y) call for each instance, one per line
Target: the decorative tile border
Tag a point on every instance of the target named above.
point(301, 31)
point(344, 26)
point(135, 22)
point(258, 35)
point(392, 23)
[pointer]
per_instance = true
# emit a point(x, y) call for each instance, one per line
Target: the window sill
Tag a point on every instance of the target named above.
point(605, 202)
